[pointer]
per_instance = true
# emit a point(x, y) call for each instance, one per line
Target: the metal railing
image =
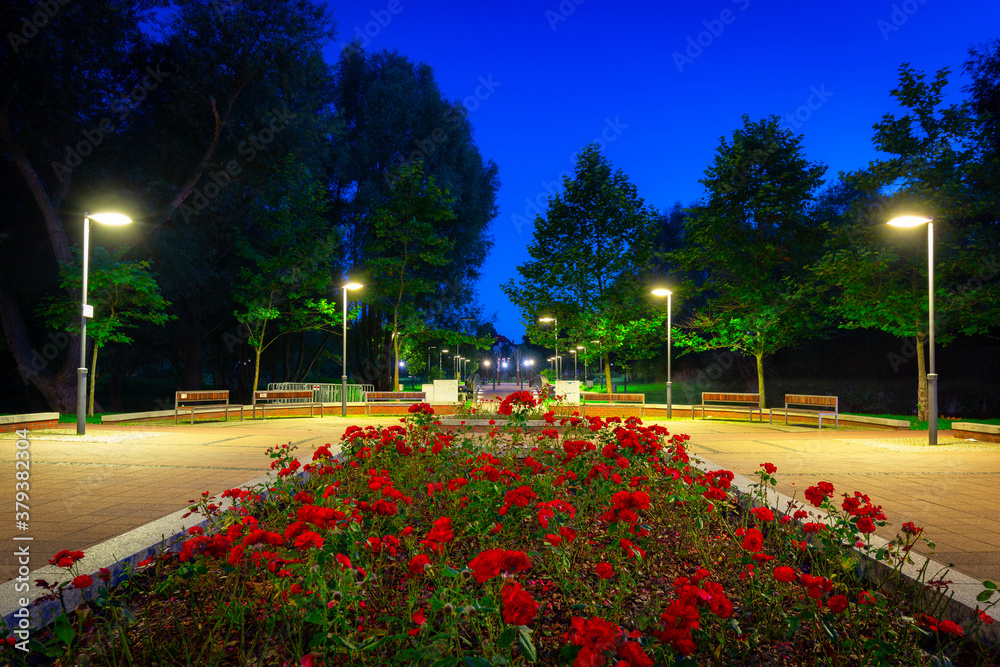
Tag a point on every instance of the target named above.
point(325, 393)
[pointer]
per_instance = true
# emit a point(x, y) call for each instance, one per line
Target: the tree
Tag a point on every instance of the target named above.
point(407, 242)
point(123, 292)
point(936, 167)
point(288, 251)
point(588, 254)
point(746, 246)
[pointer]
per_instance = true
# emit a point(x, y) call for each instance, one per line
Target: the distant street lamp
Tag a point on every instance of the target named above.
point(343, 378)
point(115, 219)
point(576, 366)
point(667, 293)
point(584, 348)
point(932, 413)
point(555, 321)
point(527, 362)
point(440, 367)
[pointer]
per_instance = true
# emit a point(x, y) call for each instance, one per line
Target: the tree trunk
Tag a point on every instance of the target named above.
point(93, 381)
point(607, 372)
point(256, 372)
point(921, 378)
point(760, 379)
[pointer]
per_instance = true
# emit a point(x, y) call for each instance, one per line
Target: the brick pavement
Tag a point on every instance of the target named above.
point(83, 493)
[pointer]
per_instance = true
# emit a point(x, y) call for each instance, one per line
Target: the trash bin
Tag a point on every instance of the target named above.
point(614, 389)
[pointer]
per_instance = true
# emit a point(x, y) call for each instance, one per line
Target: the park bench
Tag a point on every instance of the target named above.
point(412, 396)
point(728, 401)
point(204, 401)
point(299, 398)
point(612, 397)
point(804, 404)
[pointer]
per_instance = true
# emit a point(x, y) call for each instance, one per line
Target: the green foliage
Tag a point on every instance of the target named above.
point(587, 255)
point(746, 246)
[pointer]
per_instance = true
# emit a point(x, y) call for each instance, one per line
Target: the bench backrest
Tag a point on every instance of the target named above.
point(815, 402)
point(284, 394)
point(376, 395)
point(201, 396)
point(729, 397)
point(596, 396)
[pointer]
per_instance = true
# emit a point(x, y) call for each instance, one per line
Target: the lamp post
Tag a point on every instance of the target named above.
point(576, 365)
point(527, 362)
point(86, 311)
point(555, 321)
point(343, 378)
point(584, 348)
point(932, 413)
point(667, 293)
point(432, 347)
point(440, 366)
point(600, 361)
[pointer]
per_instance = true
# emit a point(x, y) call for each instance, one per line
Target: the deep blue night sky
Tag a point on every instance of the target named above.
point(552, 76)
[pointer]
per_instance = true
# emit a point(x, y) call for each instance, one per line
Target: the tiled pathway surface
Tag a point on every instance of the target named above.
point(953, 491)
point(83, 492)
point(86, 491)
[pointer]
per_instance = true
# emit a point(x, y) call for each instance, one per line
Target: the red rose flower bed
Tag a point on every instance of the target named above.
point(603, 546)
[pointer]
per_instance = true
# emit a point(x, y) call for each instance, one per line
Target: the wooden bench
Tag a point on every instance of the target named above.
point(612, 397)
point(204, 401)
point(298, 398)
point(395, 396)
point(804, 404)
point(729, 401)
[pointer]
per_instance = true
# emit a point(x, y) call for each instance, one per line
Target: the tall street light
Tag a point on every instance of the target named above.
point(432, 347)
point(932, 413)
point(576, 366)
point(86, 311)
point(667, 293)
point(554, 320)
point(584, 348)
point(529, 363)
point(440, 366)
point(343, 378)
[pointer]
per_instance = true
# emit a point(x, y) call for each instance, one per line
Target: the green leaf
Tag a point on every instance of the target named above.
point(990, 585)
point(446, 662)
point(984, 596)
point(507, 637)
point(524, 642)
point(64, 630)
point(476, 661)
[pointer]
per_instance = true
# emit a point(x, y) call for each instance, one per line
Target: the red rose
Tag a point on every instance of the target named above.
point(950, 628)
point(769, 468)
point(784, 573)
point(817, 494)
point(753, 541)
point(910, 529)
point(837, 603)
point(594, 634)
point(66, 558)
point(631, 654)
point(866, 525)
point(762, 514)
point(605, 571)
point(518, 606)
point(417, 564)
point(82, 581)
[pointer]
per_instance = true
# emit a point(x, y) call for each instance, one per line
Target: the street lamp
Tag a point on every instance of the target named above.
point(932, 414)
point(440, 367)
point(667, 293)
point(115, 219)
point(584, 348)
point(554, 320)
point(432, 347)
point(576, 366)
point(343, 378)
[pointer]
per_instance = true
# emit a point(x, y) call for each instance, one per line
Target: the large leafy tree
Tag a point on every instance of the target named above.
point(588, 255)
point(393, 112)
point(288, 253)
point(408, 241)
point(938, 161)
point(124, 294)
point(746, 246)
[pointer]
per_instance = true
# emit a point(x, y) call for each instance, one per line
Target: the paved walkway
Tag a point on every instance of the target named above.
point(118, 478)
